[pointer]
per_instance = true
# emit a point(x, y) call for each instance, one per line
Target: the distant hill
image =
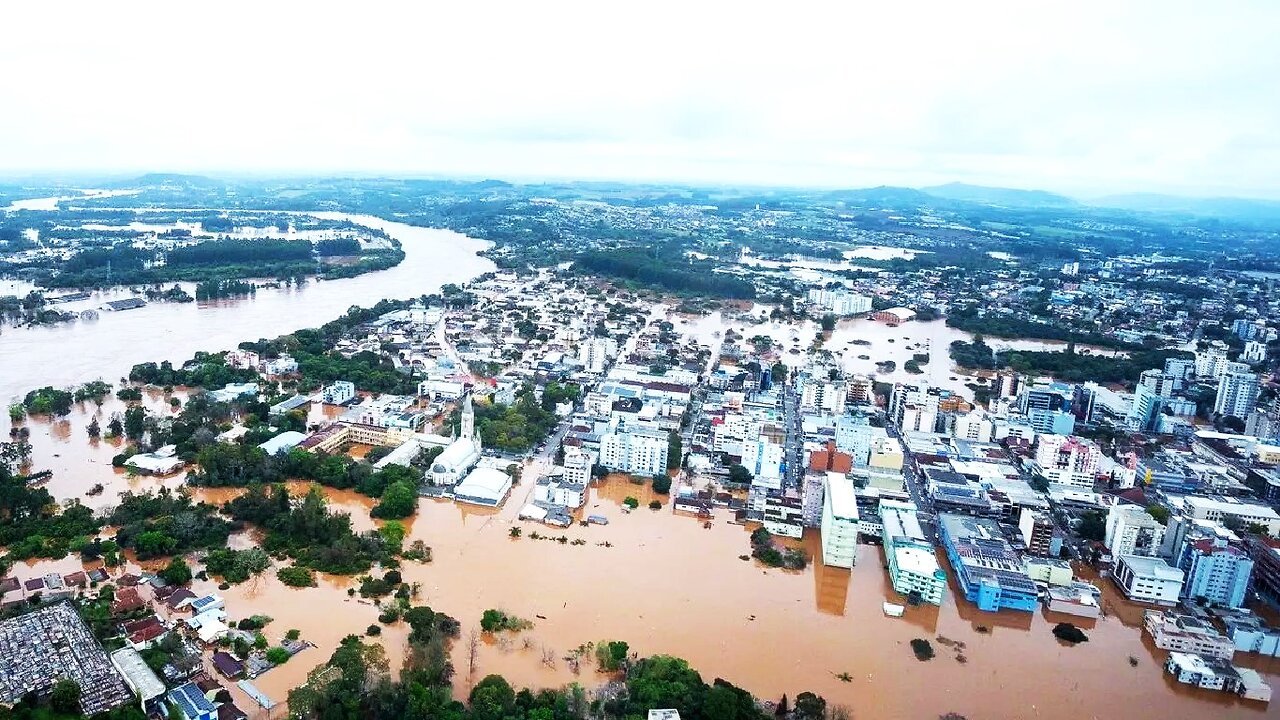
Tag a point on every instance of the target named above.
point(1224, 207)
point(886, 196)
point(171, 180)
point(1006, 197)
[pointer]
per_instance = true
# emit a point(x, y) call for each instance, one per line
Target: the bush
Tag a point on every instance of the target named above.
point(655, 504)
point(497, 621)
point(373, 630)
point(278, 655)
point(293, 634)
point(611, 654)
point(297, 576)
point(922, 648)
point(631, 502)
point(1069, 633)
point(662, 484)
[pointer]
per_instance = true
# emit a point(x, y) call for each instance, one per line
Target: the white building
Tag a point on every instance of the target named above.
point(976, 426)
point(1147, 579)
point(339, 393)
point(1219, 509)
point(1237, 394)
point(461, 455)
point(282, 365)
point(913, 565)
point(1254, 352)
point(637, 450)
point(578, 464)
point(441, 389)
point(826, 395)
point(1132, 531)
point(1068, 460)
point(853, 436)
point(483, 486)
point(234, 391)
point(763, 458)
point(595, 354)
point(839, 522)
point(840, 302)
point(1211, 362)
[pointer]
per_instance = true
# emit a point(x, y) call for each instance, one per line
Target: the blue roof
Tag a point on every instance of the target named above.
point(191, 701)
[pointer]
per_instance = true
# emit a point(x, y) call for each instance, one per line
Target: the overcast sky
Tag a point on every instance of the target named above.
point(1081, 97)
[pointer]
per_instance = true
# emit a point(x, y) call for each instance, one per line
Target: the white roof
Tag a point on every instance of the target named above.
point(1153, 567)
point(284, 441)
point(460, 455)
point(154, 463)
point(1231, 507)
point(916, 560)
point(1191, 662)
point(844, 502)
point(135, 671)
point(533, 512)
point(484, 483)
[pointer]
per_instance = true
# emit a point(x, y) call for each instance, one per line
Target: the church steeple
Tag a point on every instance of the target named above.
point(468, 421)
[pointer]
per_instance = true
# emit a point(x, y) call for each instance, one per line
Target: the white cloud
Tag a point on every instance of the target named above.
point(1083, 97)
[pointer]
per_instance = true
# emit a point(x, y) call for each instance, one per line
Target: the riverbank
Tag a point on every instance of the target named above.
point(109, 346)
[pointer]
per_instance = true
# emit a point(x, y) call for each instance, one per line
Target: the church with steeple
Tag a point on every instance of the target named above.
point(462, 454)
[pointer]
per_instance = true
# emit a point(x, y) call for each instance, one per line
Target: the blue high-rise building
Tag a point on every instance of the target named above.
point(1219, 573)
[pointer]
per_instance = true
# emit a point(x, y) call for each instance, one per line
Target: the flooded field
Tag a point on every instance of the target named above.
point(856, 337)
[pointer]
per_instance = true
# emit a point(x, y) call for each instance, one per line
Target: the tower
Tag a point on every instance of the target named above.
point(468, 421)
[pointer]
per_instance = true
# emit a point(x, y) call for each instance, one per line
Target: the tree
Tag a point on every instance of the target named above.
point(177, 572)
point(280, 656)
point(828, 322)
point(65, 697)
point(492, 698)
point(662, 484)
point(399, 500)
point(93, 428)
point(675, 450)
point(1159, 512)
point(134, 422)
point(740, 475)
point(1093, 526)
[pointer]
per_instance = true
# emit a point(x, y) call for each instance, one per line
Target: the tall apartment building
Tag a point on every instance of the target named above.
point(339, 393)
point(913, 566)
point(840, 302)
point(637, 450)
point(975, 425)
point(1068, 460)
point(828, 395)
point(1036, 529)
point(763, 459)
point(1211, 362)
point(913, 407)
point(1132, 531)
point(577, 466)
point(1237, 394)
point(1216, 572)
point(861, 390)
point(839, 522)
point(853, 436)
point(1254, 352)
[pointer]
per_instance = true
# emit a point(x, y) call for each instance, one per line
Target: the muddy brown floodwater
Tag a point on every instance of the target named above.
point(668, 585)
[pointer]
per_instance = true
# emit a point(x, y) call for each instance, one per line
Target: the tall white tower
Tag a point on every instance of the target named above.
point(468, 419)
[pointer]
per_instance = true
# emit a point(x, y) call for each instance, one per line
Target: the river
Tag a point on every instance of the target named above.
point(72, 353)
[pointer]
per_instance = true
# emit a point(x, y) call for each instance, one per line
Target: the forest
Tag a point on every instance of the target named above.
point(364, 688)
point(1068, 365)
point(653, 268)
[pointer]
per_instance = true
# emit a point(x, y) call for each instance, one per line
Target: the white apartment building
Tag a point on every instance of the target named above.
point(1237, 394)
point(763, 458)
point(826, 395)
point(578, 464)
point(637, 450)
point(1219, 509)
point(853, 436)
point(914, 407)
point(839, 522)
point(1132, 531)
point(976, 426)
point(913, 564)
point(338, 393)
point(840, 302)
point(1254, 352)
point(1147, 579)
point(730, 435)
point(1211, 362)
point(1068, 460)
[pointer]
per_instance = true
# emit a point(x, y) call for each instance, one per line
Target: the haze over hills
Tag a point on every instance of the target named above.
point(955, 194)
